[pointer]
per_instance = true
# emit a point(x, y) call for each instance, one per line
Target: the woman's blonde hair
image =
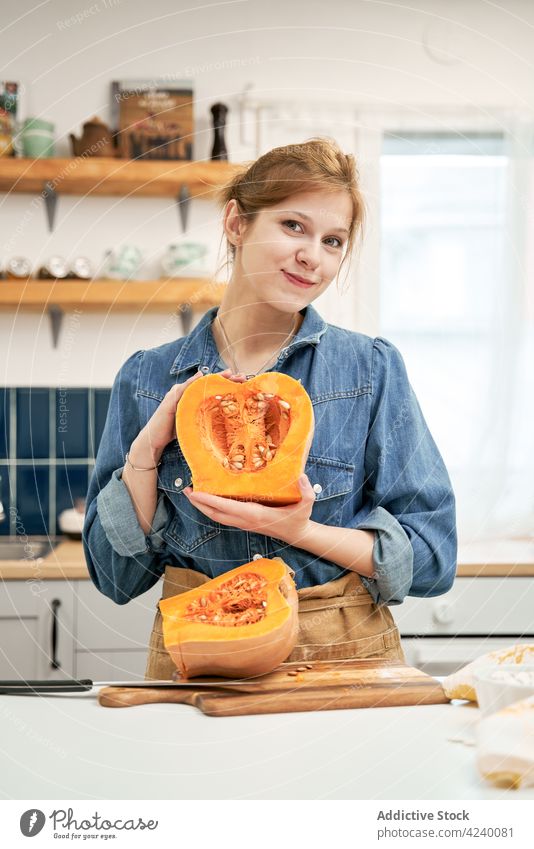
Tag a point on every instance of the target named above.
point(318, 163)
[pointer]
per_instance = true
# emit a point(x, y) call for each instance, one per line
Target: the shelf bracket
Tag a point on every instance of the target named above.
point(50, 198)
point(186, 312)
point(182, 199)
point(55, 314)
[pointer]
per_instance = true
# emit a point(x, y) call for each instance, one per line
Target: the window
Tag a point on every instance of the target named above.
point(443, 216)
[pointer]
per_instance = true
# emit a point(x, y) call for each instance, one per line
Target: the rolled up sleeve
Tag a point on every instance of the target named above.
point(120, 523)
point(409, 497)
point(122, 560)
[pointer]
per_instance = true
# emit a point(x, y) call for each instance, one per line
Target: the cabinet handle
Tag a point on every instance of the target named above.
point(54, 604)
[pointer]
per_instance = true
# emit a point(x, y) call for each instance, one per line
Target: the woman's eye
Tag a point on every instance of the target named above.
point(335, 238)
point(290, 221)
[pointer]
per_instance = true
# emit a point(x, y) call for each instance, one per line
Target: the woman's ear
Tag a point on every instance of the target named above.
point(233, 223)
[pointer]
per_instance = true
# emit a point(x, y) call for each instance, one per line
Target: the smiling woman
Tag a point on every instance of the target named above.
point(376, 517)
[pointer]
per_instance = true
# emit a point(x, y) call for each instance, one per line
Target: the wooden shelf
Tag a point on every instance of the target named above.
point(107, 295)
point(117, 177)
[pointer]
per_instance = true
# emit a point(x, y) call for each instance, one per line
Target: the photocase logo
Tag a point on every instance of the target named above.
point(32, 822)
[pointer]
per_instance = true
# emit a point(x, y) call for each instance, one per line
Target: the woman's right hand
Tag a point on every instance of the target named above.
point(148, 446)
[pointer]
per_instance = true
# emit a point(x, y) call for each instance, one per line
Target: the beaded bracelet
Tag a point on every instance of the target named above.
point(138, 468)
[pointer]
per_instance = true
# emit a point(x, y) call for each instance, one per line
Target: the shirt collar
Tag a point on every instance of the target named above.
point(199, 348)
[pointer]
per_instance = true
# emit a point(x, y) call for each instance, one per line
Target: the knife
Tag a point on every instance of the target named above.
point(70, 685)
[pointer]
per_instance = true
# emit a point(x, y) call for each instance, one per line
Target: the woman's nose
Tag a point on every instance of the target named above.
point(309, 255)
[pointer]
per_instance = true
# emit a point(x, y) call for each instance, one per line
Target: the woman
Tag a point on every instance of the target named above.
point(377, 518)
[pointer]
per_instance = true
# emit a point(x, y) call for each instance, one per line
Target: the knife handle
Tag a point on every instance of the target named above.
point(20, 687)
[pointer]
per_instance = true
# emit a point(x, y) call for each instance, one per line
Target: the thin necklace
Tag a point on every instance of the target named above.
point(231, 351)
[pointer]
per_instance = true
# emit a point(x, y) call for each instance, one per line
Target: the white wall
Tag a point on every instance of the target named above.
point(465, 54)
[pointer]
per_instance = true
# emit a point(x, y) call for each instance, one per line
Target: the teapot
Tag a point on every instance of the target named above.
point(96, 140)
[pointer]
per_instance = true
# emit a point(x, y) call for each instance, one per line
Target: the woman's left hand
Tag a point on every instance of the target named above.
point(285, 523)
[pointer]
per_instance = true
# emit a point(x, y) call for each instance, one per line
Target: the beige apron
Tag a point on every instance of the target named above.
point(337, 621)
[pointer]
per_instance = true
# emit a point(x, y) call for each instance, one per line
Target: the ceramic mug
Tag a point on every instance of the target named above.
point(184, 259)
point(123, 263)
point(37, 138)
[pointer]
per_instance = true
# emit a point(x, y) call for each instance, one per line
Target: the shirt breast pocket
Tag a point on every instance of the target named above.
point(333, 481)
point(188, 528)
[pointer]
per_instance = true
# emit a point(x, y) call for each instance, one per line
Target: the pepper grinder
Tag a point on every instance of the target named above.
point(219, 112)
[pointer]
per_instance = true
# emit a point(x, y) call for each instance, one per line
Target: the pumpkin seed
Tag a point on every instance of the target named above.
point(284, 404)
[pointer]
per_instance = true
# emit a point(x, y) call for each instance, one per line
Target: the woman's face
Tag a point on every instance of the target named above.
point(291, 252)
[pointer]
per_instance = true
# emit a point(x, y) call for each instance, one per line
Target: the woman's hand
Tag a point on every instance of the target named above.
point(288, 524)
point(148, 446)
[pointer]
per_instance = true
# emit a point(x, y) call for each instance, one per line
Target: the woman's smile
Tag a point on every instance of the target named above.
point(302, 282)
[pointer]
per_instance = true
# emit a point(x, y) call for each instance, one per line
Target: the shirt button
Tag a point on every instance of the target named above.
point(257, 557)
point(317, 488)
point(178, 482)
point(204, 369)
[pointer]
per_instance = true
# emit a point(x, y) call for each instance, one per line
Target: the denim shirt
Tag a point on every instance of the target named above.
point(372, 455)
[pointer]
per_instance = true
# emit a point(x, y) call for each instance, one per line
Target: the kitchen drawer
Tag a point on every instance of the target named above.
point(111, 665)
point(103, 624)
point(445, 655)
point(483, 606)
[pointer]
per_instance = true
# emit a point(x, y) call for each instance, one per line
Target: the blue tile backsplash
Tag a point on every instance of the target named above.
point(48, 441)
point(72, 423)
point(33, 424)
point(33, 502)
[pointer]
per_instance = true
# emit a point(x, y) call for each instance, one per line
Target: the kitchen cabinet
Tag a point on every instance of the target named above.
point(477, 615)
point(112, 639)
point(36, 629)
point(73, 624)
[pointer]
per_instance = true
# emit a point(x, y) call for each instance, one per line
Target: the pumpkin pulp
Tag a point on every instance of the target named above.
point(246, 441)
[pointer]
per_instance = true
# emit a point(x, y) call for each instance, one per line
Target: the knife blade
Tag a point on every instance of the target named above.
point(68, 685)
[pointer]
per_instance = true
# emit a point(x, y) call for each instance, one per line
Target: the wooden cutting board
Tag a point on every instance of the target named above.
point(328, 685)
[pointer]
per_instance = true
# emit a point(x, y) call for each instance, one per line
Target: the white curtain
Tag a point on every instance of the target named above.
point(495, 484)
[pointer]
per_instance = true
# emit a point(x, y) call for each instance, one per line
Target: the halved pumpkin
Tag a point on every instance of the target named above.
point(247, 441)
point(243, 623)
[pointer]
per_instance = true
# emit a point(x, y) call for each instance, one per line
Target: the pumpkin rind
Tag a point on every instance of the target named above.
point(271, 444)
point(199, 648)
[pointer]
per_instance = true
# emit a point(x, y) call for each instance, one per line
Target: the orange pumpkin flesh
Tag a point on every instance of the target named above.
point(240, 624)
point(247, 441)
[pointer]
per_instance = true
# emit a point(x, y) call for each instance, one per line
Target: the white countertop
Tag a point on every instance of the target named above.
point(65, 747)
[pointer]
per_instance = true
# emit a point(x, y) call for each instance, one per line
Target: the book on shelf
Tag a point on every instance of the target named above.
point(9, 107)
point(154, 119)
